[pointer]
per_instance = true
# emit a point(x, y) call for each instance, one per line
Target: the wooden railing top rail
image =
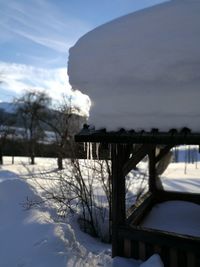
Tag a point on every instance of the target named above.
point(163, 238)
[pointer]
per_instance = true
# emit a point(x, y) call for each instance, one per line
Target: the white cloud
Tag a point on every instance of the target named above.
point(19, 77)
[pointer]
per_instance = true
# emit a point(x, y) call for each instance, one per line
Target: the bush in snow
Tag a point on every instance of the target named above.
point(84, 187)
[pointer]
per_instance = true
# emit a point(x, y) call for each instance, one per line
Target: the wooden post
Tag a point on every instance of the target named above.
point(152, 171)
point(118, 197)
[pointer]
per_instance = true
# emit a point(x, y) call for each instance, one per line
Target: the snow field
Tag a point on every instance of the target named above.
point(34, 235)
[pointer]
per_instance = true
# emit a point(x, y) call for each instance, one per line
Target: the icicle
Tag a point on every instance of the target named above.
point(91, 151)
point(88, 150)
point(110, 150)
point(97, 150)
point(196, 157)
point(84, 146)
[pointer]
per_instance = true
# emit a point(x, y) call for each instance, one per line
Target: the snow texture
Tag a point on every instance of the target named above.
point(175, 216)
point(31, 237)
point(141, 71)
point(28, 238)
point(119, 262)
point(153, 261)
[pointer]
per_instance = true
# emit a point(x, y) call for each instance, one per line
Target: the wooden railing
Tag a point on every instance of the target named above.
point(175, 250)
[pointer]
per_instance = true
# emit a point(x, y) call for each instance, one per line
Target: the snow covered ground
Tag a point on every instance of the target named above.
point(182, 177)
point(32, 237)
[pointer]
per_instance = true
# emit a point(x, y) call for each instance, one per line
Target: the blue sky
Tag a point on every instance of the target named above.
point(35, 36)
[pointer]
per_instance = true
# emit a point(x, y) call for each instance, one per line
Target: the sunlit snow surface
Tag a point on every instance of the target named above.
point(31, 238)
point(141, 71)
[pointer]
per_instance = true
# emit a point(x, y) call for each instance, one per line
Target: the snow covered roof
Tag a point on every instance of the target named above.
point(141, 71)
point(172, 137)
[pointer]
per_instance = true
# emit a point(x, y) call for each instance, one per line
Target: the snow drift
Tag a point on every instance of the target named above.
point(28, 238)
point(142, 70)
point(32, 238)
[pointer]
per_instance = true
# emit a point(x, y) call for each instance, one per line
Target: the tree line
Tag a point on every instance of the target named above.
point(35, 118)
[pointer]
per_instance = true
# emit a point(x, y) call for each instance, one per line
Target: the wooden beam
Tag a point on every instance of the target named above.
point(163, 152)
point(162, 196)
point(138, 211)
point(152, 171)
point(119, 156)
point(161, 238)
point(136, 158)
point(131, 137)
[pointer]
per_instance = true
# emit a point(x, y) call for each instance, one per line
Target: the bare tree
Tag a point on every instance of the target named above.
point(64, 121)
point(81, 189)
point(31, 108)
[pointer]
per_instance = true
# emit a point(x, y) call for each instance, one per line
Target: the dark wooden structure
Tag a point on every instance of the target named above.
point(129, 239)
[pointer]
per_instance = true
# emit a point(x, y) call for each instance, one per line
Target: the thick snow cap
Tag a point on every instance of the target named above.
point(142, 71)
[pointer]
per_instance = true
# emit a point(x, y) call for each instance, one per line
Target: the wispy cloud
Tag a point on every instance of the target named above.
point(53, 43)
point(18, 77)
point(41, 22)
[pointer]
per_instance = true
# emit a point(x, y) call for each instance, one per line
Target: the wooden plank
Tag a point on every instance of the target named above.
point(190, 259)
point(173, 258)
point(197, 260)
point(127, 248)
point(136, 158)
point(162, 196)
point(142, 251)
point(138, 211)
point(135, 249)
point(165, 255)
point(163, 152)
point(152, 171)
point(131, 137)
point(163, 238)
point(118, 198)
point(182, 258)
point(149, 250)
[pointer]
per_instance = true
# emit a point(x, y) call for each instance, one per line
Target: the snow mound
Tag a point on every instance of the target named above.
point(141, 71)
point(28, 237)
point(153, 261)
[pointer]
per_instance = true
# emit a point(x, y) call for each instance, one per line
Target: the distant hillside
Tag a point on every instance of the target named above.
point(9, 117)
point(8, 107)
